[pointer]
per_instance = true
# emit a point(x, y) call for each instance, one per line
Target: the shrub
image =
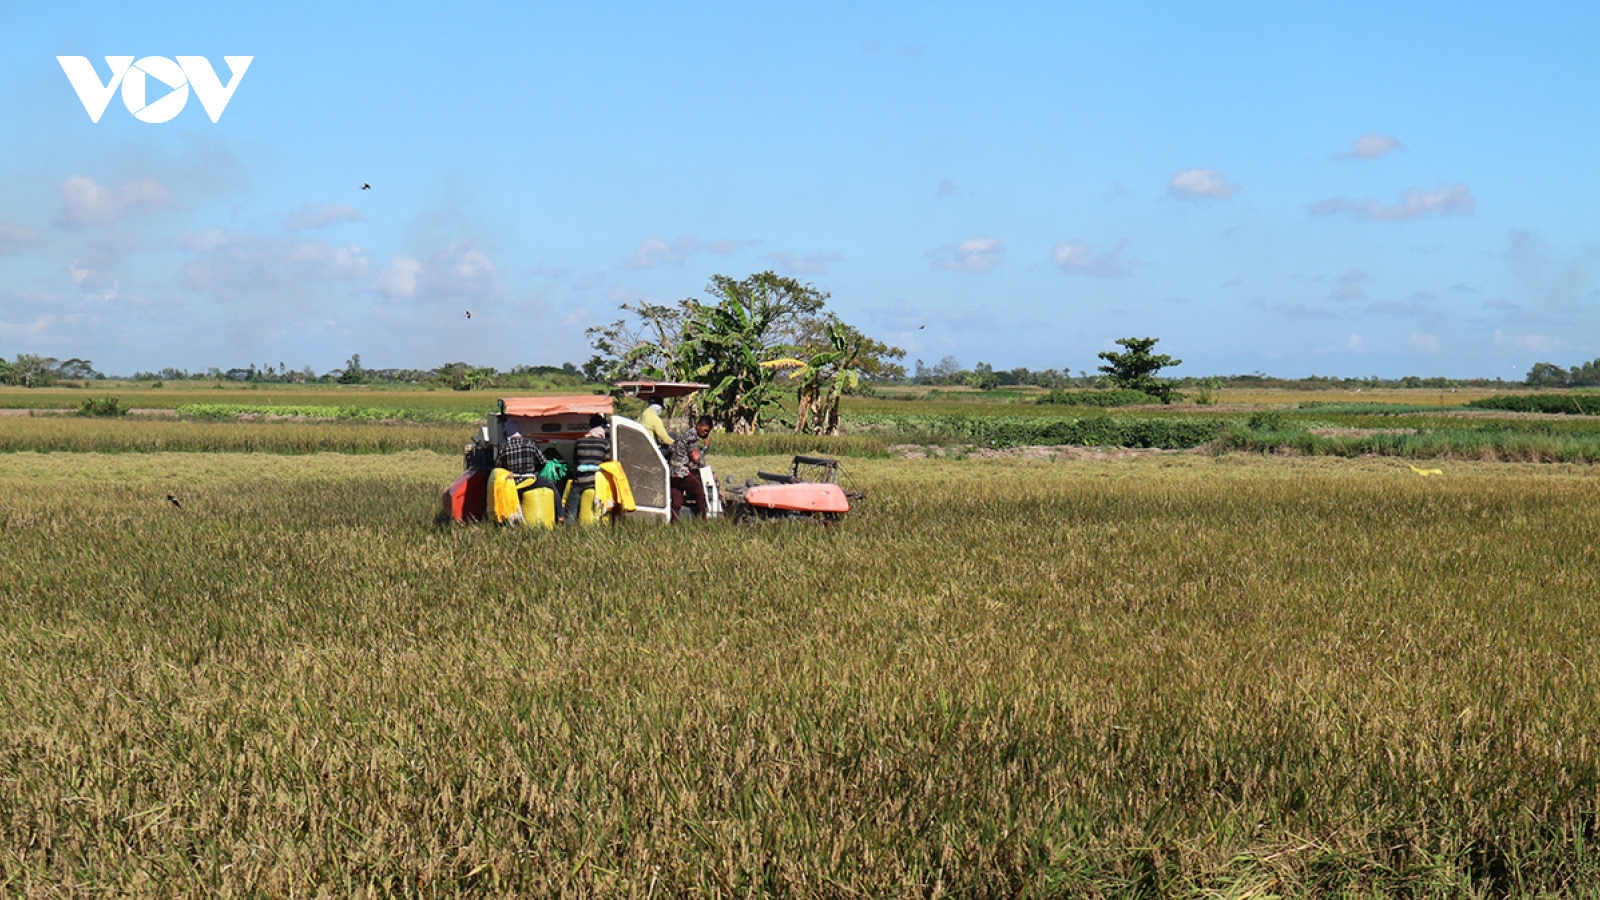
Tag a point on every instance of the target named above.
point(1580, 404)
point(107, 407)
point(1269, 420)
point(1117, 397)
point(1172, 433)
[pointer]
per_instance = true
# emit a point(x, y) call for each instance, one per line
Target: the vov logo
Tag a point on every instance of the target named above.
point(134, 77)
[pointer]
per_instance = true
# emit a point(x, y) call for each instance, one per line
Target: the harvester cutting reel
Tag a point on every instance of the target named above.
point(810, 492)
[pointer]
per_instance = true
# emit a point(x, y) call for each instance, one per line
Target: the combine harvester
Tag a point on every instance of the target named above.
point(556, 423)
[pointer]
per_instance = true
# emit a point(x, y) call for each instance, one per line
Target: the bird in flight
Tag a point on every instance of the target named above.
point(174, 501)
point(366, 187)
point(469, 313)
point(920, 327)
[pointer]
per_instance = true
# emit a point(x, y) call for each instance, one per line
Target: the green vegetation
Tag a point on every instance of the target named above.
point(1114, 397)
point(736, 344)
point(103, 407)
point(1136, 368)
point(1441, 444)
point(1171, 676)
point(1575, 403)
point(1017, 431)
point(1369, 408)
point(31, 371)
point(1545, 374)
point(222, 412)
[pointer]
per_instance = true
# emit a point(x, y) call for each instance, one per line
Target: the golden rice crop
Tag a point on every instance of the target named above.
point(76, 435)
point(1167, 676)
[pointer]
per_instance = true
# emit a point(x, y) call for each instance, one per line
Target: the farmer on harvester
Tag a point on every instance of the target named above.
point(651, 420)
point(684, 465)
point(588, 452)
point(521, 457)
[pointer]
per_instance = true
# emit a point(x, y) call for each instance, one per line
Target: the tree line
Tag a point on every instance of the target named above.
point(756, 340)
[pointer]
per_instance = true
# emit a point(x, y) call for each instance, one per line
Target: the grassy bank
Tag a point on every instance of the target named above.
point(1163, 677)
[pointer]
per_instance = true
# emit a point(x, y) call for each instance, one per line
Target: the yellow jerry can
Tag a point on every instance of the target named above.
point(539, 508)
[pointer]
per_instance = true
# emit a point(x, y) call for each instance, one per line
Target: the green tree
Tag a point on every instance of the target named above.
point(1136, 367)
point(644, 344)
point(1586, 375)
point(353, 373)
point(1545, 374)
point(726, 343)
point(825, 375)
point(30, 370)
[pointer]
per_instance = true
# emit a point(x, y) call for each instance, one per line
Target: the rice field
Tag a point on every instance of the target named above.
point(175, 394)
point(1175, 675)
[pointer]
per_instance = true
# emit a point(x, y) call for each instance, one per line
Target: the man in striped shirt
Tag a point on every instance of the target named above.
point(588, 452)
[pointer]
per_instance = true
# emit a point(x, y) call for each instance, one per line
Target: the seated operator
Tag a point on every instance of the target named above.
point(651, 420)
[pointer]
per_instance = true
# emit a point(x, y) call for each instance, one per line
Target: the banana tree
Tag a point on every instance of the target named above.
point(724, 347)
point(825, 377)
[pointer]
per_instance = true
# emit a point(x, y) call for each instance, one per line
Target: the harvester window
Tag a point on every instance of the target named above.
point(636, 450)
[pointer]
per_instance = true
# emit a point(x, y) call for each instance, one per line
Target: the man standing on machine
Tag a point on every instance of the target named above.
point(684, 465)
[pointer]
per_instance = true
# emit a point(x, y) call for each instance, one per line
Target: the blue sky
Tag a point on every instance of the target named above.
point(1333, 189)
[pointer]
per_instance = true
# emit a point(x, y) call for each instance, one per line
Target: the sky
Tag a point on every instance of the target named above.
point(1345, 189)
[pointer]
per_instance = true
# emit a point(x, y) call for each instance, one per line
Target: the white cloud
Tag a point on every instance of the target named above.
point(29, 332)
point(238, 262)
point(1416, 306)
point(656, 251)
point(1531, 343)
point(1077, 258)
point(1351, 286)
point(399, 279)
point(85, 202)
point(460, 271)
point(1201, 184)
point(726, 246)
point(1355, 344)
point(810, 264)
point(308, 216)
point(1553, 280)
point(979, 254)
point(1444, 200)
point(1427, 343)
point(15, 238)
point(1372, 146)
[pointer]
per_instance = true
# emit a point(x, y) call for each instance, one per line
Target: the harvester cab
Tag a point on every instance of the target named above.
point(555, 424)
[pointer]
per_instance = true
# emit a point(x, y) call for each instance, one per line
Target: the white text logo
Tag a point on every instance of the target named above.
point(134, 77)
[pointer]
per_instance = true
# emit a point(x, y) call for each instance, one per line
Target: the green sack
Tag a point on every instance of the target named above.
point(554, 469)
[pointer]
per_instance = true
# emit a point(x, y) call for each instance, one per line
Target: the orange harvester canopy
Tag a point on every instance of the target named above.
point(575, 405)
